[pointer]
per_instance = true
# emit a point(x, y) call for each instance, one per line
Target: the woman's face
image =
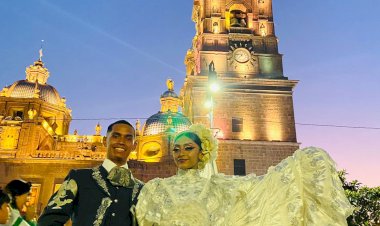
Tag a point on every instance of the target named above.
point(21, 200)
point(186, 153)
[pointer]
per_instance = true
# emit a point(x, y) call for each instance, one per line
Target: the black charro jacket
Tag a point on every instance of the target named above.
point(89, 199)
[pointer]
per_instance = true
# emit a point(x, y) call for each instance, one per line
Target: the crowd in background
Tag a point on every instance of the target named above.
point(15, 209)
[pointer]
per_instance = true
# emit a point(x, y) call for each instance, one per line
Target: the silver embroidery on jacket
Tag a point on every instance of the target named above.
point(60, 199)
point(106, 202)
point(98, 177)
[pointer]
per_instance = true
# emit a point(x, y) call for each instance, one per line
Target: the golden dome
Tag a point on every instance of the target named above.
point(35, 85)
point(26, 89)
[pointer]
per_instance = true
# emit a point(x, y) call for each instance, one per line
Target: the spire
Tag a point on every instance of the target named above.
point(40, 52)
point(98, 129)
point(138, 129)
point(37, 72)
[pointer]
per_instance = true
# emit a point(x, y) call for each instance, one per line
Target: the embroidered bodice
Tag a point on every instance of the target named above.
point(303, 189)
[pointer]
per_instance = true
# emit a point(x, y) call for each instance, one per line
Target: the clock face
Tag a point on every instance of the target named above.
point(241, 55)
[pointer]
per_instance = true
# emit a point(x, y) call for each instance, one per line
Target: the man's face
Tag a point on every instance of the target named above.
point(4, 213)
point(120, 142)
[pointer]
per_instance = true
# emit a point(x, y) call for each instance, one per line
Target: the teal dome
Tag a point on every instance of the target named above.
point(159, 123)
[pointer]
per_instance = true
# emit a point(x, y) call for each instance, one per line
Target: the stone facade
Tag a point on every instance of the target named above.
point(258, 155)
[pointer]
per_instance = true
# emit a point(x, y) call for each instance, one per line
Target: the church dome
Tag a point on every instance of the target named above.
point(26, 89)
point(169, 93)
point(163, 121)
point(35, 85)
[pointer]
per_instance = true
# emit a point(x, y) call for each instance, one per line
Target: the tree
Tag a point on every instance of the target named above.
point(365, 200)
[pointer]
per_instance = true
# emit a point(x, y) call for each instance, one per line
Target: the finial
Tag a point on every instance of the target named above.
point(138, 124)
point(40, 51)
point(170, 84)
point(98, 129)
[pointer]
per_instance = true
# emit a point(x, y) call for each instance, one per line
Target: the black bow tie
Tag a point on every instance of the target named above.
point(120, 176)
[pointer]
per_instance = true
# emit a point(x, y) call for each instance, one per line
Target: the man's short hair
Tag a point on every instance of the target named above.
point(109, 129)
point(4, 198)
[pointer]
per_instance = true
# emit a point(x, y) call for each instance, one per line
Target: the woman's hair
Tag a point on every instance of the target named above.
point(4, 197)
point(16, 188)
point(204, 138)
point(194, 137)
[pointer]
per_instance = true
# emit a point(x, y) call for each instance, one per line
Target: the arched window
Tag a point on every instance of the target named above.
point(238, 18)
point(215, 27)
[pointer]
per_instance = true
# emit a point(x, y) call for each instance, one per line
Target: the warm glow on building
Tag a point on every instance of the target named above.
point(247, 135)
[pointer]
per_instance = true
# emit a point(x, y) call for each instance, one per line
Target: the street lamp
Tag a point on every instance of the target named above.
point(213, 87)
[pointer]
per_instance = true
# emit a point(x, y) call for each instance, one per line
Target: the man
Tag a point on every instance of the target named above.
point(4, 208)
point(104, 195)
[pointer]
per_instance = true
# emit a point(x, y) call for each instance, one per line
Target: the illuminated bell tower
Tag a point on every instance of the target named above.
point(250, 105)
point(238, 36)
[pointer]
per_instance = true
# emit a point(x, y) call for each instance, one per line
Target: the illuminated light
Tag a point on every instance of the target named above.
point(214, 87)
point(209, 104)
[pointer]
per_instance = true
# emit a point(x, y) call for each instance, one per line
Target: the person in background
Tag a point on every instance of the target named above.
point(19, 191)
point(5, 213)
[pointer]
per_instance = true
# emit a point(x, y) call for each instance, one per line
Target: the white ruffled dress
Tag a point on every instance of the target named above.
point(304, 189)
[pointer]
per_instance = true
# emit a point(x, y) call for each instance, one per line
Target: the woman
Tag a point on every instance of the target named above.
point(19, 191)
point(303, 189)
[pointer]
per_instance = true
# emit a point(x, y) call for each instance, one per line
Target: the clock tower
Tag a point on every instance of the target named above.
point(235, 84)
point(238, 36)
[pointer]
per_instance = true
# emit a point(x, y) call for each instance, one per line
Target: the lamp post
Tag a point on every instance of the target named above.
point(212, 88)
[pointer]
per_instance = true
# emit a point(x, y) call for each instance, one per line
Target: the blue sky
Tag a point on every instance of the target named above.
point(110, 59)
